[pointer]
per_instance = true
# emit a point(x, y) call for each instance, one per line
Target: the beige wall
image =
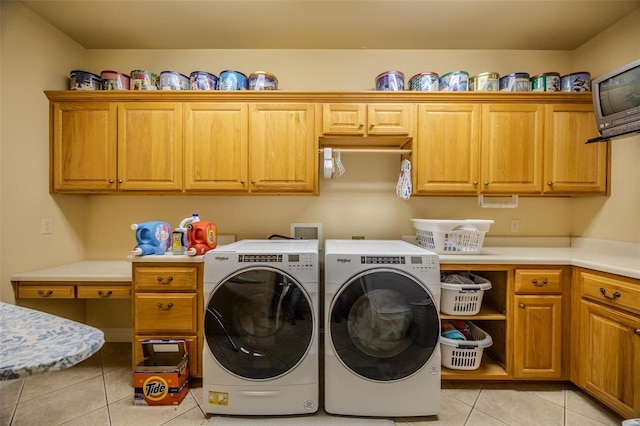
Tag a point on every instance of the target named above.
point(618, 216)
point(36, 57)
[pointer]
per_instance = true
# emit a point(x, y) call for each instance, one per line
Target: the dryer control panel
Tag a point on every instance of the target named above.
point(422, 263)
point(289, 261)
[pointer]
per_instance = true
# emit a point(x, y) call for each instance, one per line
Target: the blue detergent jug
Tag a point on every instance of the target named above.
point(153, 237)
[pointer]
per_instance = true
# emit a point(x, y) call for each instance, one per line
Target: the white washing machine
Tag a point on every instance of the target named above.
point(382, 329)
point(261, 328)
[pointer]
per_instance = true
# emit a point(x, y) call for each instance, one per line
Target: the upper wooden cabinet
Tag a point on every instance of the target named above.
point(109, 147)
point(367, 119)
point(283, 148)
point(447, 149)
point(266, 142)
point(503, 149)
point(84, 147)
point(216, 146)
point(571, 166)
point(511, 145)
point(150, 146)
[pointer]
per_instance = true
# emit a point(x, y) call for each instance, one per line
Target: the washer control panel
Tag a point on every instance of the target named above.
point(290, 261)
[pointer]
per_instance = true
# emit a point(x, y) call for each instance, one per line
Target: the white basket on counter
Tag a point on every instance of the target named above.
point(451, 236)
point(465, 354)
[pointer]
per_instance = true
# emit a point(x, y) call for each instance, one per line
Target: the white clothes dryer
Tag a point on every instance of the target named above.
point(261, 328)
point(382, 329)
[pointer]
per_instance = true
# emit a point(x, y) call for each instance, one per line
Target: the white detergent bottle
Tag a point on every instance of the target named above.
point(179, 235)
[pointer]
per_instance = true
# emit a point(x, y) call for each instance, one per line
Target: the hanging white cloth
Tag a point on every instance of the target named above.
point(403, 188)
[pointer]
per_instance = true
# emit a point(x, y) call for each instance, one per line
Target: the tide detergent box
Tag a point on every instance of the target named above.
point(163, 377)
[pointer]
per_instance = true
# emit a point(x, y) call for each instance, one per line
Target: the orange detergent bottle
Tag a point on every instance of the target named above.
point(202, 236)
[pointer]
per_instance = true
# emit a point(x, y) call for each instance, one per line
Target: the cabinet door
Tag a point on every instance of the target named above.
point(538, 337)
point(283, 148)
point(512, 149)
point(84, 147)
point(446, 149)
point(610, 357)
point(343, 119)
point(215, 146)
point(389, 119)
point(150, 146)
point(570, 165)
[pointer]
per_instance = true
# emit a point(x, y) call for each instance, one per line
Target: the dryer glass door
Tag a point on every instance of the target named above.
point(384, 325)
point(259, 323)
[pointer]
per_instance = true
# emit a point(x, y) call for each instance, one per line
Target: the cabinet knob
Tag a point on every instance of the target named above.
point(253, 181)
point(360, 126)
point(486, 183)
point(242, 181)
point(614, 296)
point(119, 180)
point(637, 331)
point(104, 295)
point(537, 284)
point(111, 180)
point(161, 280)
point(521, 306)
point(475, 183)
point(371, 126)
point(45, 294)
point(550, 183)
point(162, 308)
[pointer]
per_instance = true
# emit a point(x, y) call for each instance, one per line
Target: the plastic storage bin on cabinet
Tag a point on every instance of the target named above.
point(465, 354)
point(463, 299)
point(451, 236)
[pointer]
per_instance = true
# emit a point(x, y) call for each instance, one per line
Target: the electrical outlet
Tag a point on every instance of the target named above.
point(515, 226)
point(46, 226)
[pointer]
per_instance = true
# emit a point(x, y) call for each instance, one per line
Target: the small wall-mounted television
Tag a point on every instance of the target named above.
point(616, 101)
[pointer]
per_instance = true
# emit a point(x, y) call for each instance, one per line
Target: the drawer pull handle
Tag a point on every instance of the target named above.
point(43, 294)
point(521, 306)
point(168, 281)
point(104, 295)
point(169, 306)
point(613, 297)
point(537, 284)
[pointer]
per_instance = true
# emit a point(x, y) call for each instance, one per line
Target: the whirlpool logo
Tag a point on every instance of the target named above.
point(343, 260)
point(221, 258)
point(155, 388)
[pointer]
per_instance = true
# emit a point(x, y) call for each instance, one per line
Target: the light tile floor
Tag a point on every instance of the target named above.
point(99, 392)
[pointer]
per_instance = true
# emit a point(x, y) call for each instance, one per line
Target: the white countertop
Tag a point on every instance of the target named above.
point(620, 264)
point(607, 256)
point(86, 270)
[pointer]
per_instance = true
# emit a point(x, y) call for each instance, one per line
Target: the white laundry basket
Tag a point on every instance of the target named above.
point(465, 354)
point(451, 236)
point(463, 299)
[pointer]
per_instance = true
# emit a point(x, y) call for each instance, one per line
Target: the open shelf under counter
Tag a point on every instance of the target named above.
point(486, 313)
point(489, 370)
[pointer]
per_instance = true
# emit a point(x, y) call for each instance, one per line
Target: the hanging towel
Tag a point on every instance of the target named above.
point(403, 188)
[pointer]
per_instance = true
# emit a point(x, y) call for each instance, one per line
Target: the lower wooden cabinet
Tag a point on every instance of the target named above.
point(538, 349)
point(610, 360)
point(607, 351)
point(538, 337)
point(167, 304)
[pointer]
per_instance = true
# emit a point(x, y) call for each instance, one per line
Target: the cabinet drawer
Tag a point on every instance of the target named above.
point(610, 291)
point(165, 278)
point(171, 312)
point(538, 281)
point(191, 343)
point(107, 292)
point(47, 292)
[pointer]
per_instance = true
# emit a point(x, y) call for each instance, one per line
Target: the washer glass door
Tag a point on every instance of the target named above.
point(384, 325)
point(259, 323)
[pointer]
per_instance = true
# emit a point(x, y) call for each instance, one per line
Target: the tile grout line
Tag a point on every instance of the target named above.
point(104, 384)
